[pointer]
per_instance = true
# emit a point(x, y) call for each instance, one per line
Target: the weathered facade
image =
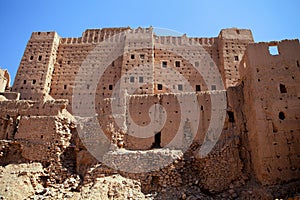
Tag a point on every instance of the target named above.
point(259, 137)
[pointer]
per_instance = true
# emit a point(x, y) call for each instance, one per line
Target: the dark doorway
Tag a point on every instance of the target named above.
point(157, 141)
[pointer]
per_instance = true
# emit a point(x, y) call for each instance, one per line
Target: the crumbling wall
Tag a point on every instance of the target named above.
point(38, 131)
point(271, 96)
point(4, 80)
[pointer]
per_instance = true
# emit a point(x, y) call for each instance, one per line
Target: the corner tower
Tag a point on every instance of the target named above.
point(34, 75)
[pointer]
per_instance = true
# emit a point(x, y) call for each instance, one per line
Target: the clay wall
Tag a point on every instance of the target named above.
point(175, 65)
point(12, 112)
point(4, 80)
point(232, 45)
point(139, 110)
point(271, 95)
point(33, 78)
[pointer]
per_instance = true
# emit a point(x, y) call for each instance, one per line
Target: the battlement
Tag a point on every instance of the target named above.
point(43, 35)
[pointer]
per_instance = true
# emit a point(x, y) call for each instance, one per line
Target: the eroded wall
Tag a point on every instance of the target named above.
point(271, 95)
point(4, 80)
point(33, 79)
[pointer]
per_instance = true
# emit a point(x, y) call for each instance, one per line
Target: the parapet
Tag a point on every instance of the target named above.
point(259, 54)
point(33, 108)
point(44, 35)
point(236, 34)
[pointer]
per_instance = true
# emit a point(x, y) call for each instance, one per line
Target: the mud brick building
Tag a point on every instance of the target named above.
point(260, 134)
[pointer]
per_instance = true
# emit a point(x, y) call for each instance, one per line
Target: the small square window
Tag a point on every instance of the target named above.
point(164, 64)
point(110, 87)
point(273, 50)
point(33, 81)
point(180, 87)
point(159, 86)
point(141, 79)
point(24, 82)
point(142, 56)
point(65, 86)
point(236, 58)
point(131, 79)
point(132, 56)
point(213, 87)
point(198, 88)
point(196, 64)
point(177, 63)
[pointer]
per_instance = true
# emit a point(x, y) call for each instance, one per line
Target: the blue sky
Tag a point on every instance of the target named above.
point(268, 20)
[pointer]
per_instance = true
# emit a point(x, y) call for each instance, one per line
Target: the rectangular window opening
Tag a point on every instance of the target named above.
point(177, 63)
point(24, 82)
point(65, 86)
point(180, 87)
point(110, 87)
point(33, 81)
point(213, 87)
point(142, 56)
point(132, 56)
point(236, 58)
point(141, 79)
point(198, 88)
point(40, 58)
point(273, 50)
point(131, 79)
point(164, 64)
point(159, 86)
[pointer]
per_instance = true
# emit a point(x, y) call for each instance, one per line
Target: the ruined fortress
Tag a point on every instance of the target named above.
point(258, 106)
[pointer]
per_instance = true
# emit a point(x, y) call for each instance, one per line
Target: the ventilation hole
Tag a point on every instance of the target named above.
point(281, 115)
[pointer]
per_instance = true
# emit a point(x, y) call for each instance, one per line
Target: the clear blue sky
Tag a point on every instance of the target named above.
point(268, 20)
